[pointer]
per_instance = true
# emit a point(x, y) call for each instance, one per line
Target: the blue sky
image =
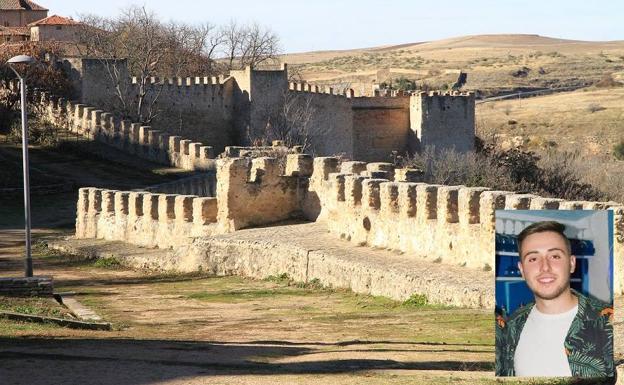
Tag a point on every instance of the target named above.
point(340, 24)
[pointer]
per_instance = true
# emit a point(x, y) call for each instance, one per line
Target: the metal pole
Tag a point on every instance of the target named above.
point(28, 262)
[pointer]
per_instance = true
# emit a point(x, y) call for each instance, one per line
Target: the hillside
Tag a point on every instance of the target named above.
point(494, 63)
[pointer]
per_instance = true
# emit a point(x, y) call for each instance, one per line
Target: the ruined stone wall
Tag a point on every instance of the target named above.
point(142, 141)
point(199, 108)
point(245, 108)
point(443, 120)
point(249, 193)
point(259, 191)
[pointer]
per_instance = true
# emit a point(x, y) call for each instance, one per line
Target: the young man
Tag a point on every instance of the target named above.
point(563, 333)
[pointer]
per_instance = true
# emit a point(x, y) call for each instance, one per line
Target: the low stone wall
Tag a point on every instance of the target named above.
point(376, 205)
point(370, 204)
point(143, 218)
point(26, 286)
point(133, 138)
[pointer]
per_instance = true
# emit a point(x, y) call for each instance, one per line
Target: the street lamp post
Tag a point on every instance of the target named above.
point(24, 59)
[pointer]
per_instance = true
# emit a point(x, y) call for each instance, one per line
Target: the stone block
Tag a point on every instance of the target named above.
point(204, 211)
point(299, 165)
point(353, 189)
point(352, 167)
point(468, 201)
point(427, 202)
point(448, 204)
point(389, 195)
point(371, 194)
point(184, 208)
point(166, 207)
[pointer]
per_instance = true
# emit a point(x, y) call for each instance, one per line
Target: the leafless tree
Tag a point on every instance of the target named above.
point(290, 121)
point(245, 45)
point(151, 49)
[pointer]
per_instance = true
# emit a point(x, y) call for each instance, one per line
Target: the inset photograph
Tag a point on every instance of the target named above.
point(554, 293)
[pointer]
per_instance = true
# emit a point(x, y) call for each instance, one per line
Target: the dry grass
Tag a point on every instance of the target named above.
point(490, 61)
point(588, 123)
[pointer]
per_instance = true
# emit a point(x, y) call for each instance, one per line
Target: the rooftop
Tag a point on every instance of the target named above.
point(54, 20)
point(17, 5)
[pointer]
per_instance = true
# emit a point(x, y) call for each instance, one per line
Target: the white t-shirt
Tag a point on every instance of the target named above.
point(541, 351)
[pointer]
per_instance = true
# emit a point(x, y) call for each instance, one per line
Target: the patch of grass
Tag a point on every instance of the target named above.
point(107, 263)
point(281, 279)
point(46, 307)
point(233, 296)
point(313, 284)
point(416, 300)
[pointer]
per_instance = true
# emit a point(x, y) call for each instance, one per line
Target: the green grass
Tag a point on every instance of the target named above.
point(107, 263)
point(46, 307)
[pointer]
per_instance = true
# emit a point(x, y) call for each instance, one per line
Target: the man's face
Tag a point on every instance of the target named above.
point(546, 264)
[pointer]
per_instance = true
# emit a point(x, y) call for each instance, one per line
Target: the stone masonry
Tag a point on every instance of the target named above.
point(367, 203)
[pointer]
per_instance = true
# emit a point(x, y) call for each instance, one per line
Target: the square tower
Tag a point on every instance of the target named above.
point(443, 120)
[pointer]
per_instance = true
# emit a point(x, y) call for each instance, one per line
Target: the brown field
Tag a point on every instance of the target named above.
point(489, 61)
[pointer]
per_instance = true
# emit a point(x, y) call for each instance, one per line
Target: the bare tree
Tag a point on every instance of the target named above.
point(290, 121)
point(245, 45)
point(151, 49)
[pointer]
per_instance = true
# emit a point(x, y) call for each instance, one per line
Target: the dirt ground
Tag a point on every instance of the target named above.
point(194, 329)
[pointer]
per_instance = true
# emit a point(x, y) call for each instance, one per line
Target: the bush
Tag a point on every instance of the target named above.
point(618, 150)
point(595, 107)
point(558, 175)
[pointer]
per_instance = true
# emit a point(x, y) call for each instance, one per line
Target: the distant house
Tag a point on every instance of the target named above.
point(54, 28)
point(13, 34)
point(20, 13)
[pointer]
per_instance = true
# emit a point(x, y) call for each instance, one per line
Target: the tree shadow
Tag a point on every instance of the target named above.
point(137, 362)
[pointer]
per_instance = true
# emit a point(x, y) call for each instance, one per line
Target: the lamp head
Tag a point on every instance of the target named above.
point(21, 59)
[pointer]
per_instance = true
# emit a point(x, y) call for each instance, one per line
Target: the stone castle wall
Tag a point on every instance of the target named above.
point(366, 203)
point(239, 109)
point(142, 141)
point(200, 108)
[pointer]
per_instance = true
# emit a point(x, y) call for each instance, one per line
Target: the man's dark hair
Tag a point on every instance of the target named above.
point(541, 227)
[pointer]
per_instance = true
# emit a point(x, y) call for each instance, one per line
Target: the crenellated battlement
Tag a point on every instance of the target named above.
point(261, 190)
point(372, 204)
point(377, 205)
point(183, 81)
point(143, 218)
point(143, 141)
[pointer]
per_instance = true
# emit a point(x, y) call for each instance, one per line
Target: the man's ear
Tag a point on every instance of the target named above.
point(572, 263)
point(520, 268)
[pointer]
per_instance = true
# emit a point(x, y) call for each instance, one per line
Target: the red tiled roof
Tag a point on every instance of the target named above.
point(16, 5)
point(24, 31)
point(54, 20)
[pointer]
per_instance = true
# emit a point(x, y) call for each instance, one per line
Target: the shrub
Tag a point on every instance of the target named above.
point(618, 150)
point(559, 175)
point(416, 300)
point(595, 107)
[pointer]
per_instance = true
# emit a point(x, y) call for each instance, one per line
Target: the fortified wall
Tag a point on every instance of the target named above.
point(238, 109)
point(369, 204)
point(133, 138)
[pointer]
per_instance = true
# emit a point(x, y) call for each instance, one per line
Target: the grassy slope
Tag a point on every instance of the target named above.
point(50, 165)
point(589, 120)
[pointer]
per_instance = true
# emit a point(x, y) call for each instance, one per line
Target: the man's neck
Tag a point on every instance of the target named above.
point(565, 302)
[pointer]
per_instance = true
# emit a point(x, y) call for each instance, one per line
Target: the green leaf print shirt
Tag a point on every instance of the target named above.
point(588, 343)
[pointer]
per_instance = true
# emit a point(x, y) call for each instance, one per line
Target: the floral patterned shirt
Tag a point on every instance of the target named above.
point(588, 343)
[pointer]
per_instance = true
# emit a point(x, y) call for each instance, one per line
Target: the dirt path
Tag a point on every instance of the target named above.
point(192, 329)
